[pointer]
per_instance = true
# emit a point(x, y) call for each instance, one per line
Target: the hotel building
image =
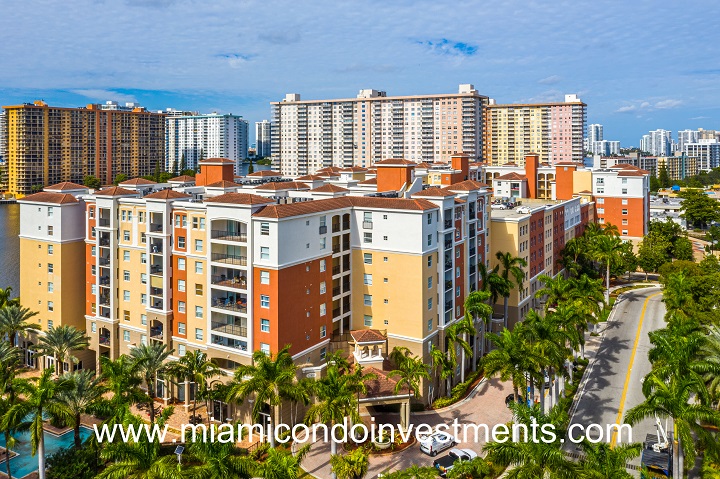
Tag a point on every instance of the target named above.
point(48, 145)
point(310, 135)
point(555, 131)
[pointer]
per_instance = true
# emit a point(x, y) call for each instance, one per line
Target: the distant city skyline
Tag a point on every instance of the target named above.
point(238, 57)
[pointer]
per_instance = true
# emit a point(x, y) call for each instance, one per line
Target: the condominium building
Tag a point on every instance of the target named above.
point(48, 145)
point(685, 137)
point(262, 138)
point(189, 139)
point(657, 143)
point(555, 131)
point(678, 167)
point(321, 263)
point(706, 153)
point(708, 134)
point(310, 135)
point(595, 133)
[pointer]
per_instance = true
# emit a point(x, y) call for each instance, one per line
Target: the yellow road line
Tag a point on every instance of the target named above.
point(630, 365)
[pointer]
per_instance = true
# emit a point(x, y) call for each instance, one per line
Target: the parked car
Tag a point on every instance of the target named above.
point(498, 206)
point(510, 398)
point(523, 209)
point(446, 463)
point(433, 443)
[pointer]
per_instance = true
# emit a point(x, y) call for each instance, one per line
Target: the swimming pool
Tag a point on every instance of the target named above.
point(25, 463)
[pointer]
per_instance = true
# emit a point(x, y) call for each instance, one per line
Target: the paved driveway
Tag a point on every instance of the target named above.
point(485, 406)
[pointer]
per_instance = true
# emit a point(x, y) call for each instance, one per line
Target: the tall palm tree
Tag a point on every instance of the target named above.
point(607, 251)
point(603, 461)
point(509, 360)
point(480, 313)
point(85, 392)
point(353, 465)
point(443, 367)
point(280, 464)
point(121, 377)
point(39, 396)
point(336, 396)
point(476, 468)
point(9, 363)
point(6, 298)
point(219, 460)
point(675, 399)
point(491, 281)
point(151, 361)
point(195, 367)
point(711, 353)
point(270, 378)
point(590, 302)
point(60, 342)
point(409, 370)
point(14, 320)
point(557, 290)
point(511, 266)
point(456, 335)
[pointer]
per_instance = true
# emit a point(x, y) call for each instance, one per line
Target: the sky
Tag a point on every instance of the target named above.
point(639, 65)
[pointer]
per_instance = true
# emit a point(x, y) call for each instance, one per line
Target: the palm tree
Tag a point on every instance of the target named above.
point(607, 251)
point(410, 371)
point(85, 392)
point(413, 472)
point(509, 360)
point(270, 378)
point(280, 464)
point(9, 363)
point(675, 399)
point(6, 297)
point(60, 342)
point(121, 378)
point(533, 459)
point(350, 466)
point(477, 308)
point(150, 360)
point(455, 335)
point(442, 366)
point(220, 460)
point(195, 367)
point(14, 320)
point(336, 396)
point(511, 266)
point(590, 302)
point(603, 461)
point(711, 353)
point(557, 290)
point(39, 396)
point(476, 468)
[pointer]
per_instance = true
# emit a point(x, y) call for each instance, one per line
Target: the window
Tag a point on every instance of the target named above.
point(385, 238)
point(264, 301)
point(457, 271)
point(367, 237)
point(624, 232)
point(143, 258)
point(430, 324)
point(141, 217)
point(126, 315)
point(624, 211)
point(51, 306)
point(322, 265)
point(624, 201)
point(177, 220)
point(202, 223)
point(265, 348)
point(50, 211)
point(126, 336)
point(181, 242)
point(198, 289)
point(429, 261)
point(92, 269)
point(181, 328)
point(367, 258)
point(181, 306)
point(601, 201)
point(265, 325)
point(51, 287)
point(181, 264)
point(50, 323)
point(430, 282)
point(198, 245)
point(143, 298)
point(367, 320)
point(50, 249)
point(198, 267)
point(264, 277)
point(323, 289)
point(93, 327)
point(624, 181)
point(195, 222)
point(91, 212)
point(50, 268)
point(265, 229)
point(126, 295)
point(126, 255)
point(367, 279)
point(323, 353)
point(199, 334)
point(198, 311)
point(143, 319)
point(93, 251)
point(385, 280)
point(323, 243)
point(323, 331)
point(264, 252)
point(126, 275)
point(429, 218)
point(429, 243)
point(93, 289)
point(122, 215)
point(367, 299)
point(181, 285)
point(457, 291)
point(126, 235)
point(385, 259)
point(50, 230)
point(601, 211)
point(182, 349)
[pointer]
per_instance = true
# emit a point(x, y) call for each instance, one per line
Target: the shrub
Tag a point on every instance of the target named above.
point(73, 463)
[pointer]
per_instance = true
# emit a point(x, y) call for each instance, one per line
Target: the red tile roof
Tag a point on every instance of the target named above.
point(633, 173)
point(222, 184)
point(115, 191)
point(310, 178)
point(167, 195)
point(265, 173)
point(138, 181)
point(47, 197)
point(329, 169)
point(434, 193)
point(371, 181)
point(66, 185)
point(585, 192)
point(239, 199)
point(283, 185)
point(183, 179)
point(467, 185)
point(459, 201)
point(510, 176)
point(383, 386)
point(395, 161)
point(567, 163)
point(217, 160)
point(317, 206)
point(367, 335)
point(353, 169)
point(330, 189)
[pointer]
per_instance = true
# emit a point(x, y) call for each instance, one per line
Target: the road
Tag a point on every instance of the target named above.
point(613, 383)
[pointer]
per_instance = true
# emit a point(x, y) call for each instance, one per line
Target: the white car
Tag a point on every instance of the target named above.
point(446, 463)
point(438, 441)
point(523, 209)
point(498, 206)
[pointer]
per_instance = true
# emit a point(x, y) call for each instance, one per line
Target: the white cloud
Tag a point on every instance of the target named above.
point(626, 109)
point(103, 95)
point(651, 104)
point(551, 80)
point(666, 104)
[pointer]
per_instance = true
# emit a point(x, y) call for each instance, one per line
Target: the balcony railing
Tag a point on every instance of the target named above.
point(104, 340)
point(226, 328)
point(230, 304)
point(156, 333)
point(156, 269)
point(229, 235)
point(336, 248)
point(336, 290)
point(336, 270)
point(104, 300)
point(156, 227)
point(229, 259)
point(104, 261)
point(103, 222)
point(233, 281)
point(156, 249)
point(336, 312)
point(346, 225)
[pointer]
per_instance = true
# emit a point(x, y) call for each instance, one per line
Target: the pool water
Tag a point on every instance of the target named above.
point(25, 463)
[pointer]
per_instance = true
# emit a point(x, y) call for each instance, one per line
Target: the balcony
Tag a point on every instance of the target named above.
point(156, 248)
point(104, 300)
point(156, 269)
point(229, 343)
point(156, 291)
point(336, 270)
point(336, 227)
point(156, 332)
point(336, 248)
point(337, 312)
point(104, 261)
point(336, 291)
point(104, 222)
point(238, 305)
point(229, 235)
point(346, 225)
point(237, 282)
point(156, 227)
point(229, 328)
point(229, 259)
point(104, 339)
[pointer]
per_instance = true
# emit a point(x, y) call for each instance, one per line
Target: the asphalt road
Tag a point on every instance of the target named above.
point(613, 383)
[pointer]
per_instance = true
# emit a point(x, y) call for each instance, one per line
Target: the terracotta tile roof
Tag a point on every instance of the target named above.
point(239, 199)
point(510, 176)
point(395, 161)
point(329, 169)
point(424, 165)
point(382, 386)
point(217, 160)
point(434, 193)
point(115, 191)
point(265, 173)
point(625, 166)
point(283, 185)
point(183, 179)
point(317, 206)
point(65, 185)
point(138, 181)
point(310, 178)
point(167, 195)
point(328, 174)
point(509, 163)
point(633, 173)
point(459, 201)
point(367, 335)
point(222, 184)
point(467, 185)
point(371, 181)
point(567, 163)
point(353, 169)
point(47, 197)
point(330, 189)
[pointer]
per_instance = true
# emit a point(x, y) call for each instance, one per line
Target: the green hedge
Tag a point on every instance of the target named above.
point(458, 392)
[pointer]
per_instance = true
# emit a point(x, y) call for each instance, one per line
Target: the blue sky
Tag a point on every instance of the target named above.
point(639, 65)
